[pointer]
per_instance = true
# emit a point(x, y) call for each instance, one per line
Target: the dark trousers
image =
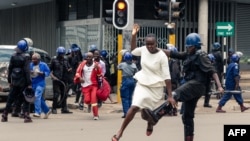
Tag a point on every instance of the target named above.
point(189, 93)
point(127, 90)
point(16, 97)
point(78, 93)
point(60, 96)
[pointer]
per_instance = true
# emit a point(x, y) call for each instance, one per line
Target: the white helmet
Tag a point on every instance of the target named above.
point(170, 45)
point(240, 54)
point(123, 51)
point(29, 41)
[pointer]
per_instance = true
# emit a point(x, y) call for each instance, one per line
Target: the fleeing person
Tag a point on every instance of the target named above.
point(87, 74)
point(60, 71)
point(151, 80)
point(39, 71)
point(18, 79)
point(107, 75)
point(232, 83)
point(98, 58)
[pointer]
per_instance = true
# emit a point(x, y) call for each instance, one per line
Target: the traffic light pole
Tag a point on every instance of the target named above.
point(119, 59)
point(171, 31)
point(169, 12)
point(124, 42)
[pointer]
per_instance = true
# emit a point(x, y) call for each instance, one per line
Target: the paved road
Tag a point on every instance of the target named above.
point(81, 126)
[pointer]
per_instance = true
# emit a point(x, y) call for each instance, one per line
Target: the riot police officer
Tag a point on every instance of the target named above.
point(105, 59)
point(218, 63)
point(128, 83)
point(209, 85)
point(197, 69)
point(74, 60)
point(19, 79)
point(232, 83)
point(60, 69)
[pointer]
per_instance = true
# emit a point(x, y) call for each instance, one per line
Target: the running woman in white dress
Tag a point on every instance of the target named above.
point(151, 80)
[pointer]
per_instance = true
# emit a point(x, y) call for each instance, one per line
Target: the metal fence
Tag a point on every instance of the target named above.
point(110, 37)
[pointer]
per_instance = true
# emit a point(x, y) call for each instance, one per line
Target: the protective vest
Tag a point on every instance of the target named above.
point(18, 71)
point(60, 68)
point(194, 67)
point(218, 64)
point(175, 70)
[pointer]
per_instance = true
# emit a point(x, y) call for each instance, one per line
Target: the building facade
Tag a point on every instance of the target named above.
point(61, 23)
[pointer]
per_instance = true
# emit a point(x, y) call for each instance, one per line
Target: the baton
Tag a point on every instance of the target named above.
point(232, 91)
point(64, 93)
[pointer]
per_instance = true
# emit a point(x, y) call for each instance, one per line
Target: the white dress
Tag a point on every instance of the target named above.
point(151, 78)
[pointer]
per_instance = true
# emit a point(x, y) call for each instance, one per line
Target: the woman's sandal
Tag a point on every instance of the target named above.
point(149, 130)
point(114, 138)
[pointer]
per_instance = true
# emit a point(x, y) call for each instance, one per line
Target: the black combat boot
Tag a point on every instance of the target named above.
point(189, 138)
point(153, 116)
point(27, 117)
point(15, 112)
point(65, 109)
point(206, 101)
point(5, 116)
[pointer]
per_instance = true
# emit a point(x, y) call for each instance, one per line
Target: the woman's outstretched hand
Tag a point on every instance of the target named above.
point(136, 29)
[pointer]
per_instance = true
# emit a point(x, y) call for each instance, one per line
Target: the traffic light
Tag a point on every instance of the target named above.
point(167, 9)
point(177, 10)
point(108, 16)
point(161, 8)
point(120, 14)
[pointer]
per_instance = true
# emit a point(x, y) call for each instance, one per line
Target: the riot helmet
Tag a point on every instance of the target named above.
point(29, 41)
point(235, 58)
point(104, 53)
point(123, 51)
point(193, 39)
point(61, 50)
point(127, 56)
point(92, 48)
point(239, 53)
point(75, 47)
point(22, 45)
point(216, 46)
point(29, 95)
